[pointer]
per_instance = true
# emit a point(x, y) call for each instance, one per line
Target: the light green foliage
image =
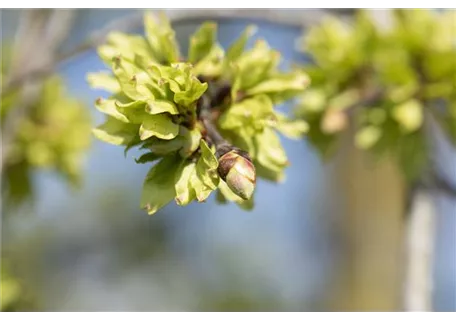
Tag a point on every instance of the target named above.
point(53, 135)
point(382, 81)
point(10, 290)
point(156, 100)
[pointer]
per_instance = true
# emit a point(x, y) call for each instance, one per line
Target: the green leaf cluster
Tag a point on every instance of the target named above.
point(155, 102)
point(54, 135)
point(383, 81)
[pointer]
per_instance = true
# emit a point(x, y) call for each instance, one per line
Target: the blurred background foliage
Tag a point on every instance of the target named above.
point(325, 239)
point(54, 135)
point(384, 81)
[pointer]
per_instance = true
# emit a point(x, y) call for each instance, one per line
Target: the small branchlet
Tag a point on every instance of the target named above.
point(189, 115)
point(235, 165)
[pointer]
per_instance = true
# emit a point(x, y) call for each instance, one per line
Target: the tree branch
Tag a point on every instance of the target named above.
point(419, 242)
point(205, 115)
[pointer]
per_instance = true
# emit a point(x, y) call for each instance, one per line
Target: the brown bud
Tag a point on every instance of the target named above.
point(334, 121)
point(238, 172)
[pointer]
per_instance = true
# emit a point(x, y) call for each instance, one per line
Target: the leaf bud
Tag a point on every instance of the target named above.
point(238, 171)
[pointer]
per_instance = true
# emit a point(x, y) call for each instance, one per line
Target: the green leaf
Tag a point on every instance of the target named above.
point(129, 45)
point(312, 101)
point(132, 144)
point(192, 92)
point(293, 129)
point(134, 111)
point(330, 45)
point(401, 93)
point(107, 53)
point(185, 193)
point(130, 80)
point(161, 106)
point(394, 66)
point(179, 73)
point(158, 125)
point(161, 38)
point(104, 81)
point(148, 157)
point(344, 100)
point(206, 166)
point(212, 64)
point(182, 82)
point(237, 48)
point(269, 151)
point(253, 112)
point(197, 180)
point(205, 178)
point(409, 115)
point(159, 185)
point(116, 132)
point(124, 45)
point(191, 140)
point(367, 137)
point(439, 66)
point(281, 86)
point(164, 147)
point(109, 107)
point(255, 65)
point(201, 41)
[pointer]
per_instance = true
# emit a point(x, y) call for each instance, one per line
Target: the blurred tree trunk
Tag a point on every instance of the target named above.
point(373, 195)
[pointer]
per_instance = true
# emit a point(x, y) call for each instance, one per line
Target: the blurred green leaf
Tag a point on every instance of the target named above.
point(147, 157)
point(159, 185)
point(237, 47)
point(281, 86)
point(202, 41)
point(383, 78)
point(269, 152)
point(366, 137)
point(161, 38)
point(254, 65)
point(293, 129)
point(253, 112)
point(409, 115)
point(116, 132)
point(104, 81)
